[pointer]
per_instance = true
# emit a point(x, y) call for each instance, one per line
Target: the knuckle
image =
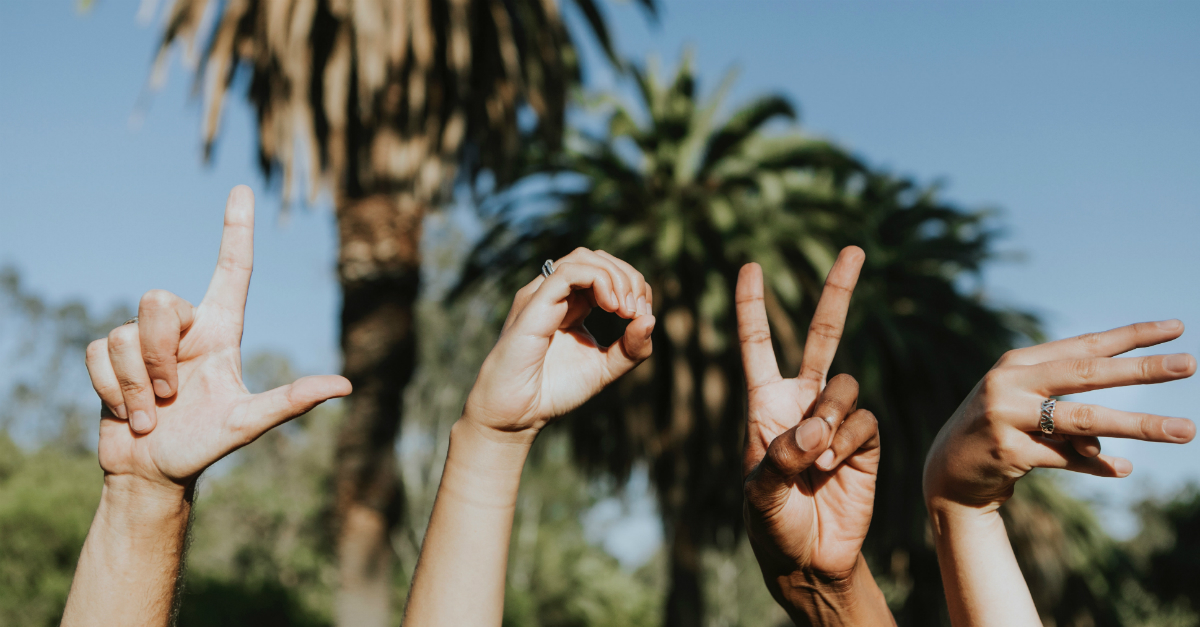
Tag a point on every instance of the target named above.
point(1150, 367)
point(844, 379)
point(1091, 340)
point(579, 251)
point(1083, 370)
point(1010, 356)
point(993, 383)
point(1148, 426)
point(826, 330)
point(98, 349)
point(155, 299)
point(123, 336)
point(1083, 418)
point(781, 457)
point(132, 387)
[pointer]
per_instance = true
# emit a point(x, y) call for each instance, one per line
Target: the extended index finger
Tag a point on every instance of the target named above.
point(1106, 344)
point(829, 320)
point(231, 280)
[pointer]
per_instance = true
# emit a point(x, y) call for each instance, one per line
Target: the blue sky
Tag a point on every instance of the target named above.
point(1078, 120)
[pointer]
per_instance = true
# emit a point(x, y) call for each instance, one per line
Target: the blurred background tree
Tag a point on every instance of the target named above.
point(385, 105)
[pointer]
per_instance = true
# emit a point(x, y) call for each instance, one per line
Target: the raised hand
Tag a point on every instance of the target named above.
point(546, 362)
point(811, 460)
point(171, 382)
point(996, 436)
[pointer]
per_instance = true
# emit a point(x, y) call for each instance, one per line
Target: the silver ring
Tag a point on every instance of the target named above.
point(132, 320)
point(548, 268)
point(1046, 424)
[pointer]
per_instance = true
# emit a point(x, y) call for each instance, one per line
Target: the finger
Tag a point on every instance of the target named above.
point(859, 432)
point(125, 353)
point(104, 380)
point(1081, 419)
point(829, 320)
point(754, 332)
point(162, 319)
point(837, 400)
point(1047, 453)
point(1105, 344)
point(231, 279)
point(635, 301)
point(621, 285)
point(1072, 376)
point(633, 348)
point(521, 300)
point(548, 306)
point(649, 301)
point(272, 408)
point(1085, 445)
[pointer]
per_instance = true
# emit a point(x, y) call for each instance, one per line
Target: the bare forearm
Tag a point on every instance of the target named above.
point(984, 585)
point(459, 578)
point(818, 601)
point(131, 559)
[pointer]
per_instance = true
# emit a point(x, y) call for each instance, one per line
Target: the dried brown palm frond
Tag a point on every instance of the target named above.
point(370, 96)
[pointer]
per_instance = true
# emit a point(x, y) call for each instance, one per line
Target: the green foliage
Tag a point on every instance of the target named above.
point(47, 499)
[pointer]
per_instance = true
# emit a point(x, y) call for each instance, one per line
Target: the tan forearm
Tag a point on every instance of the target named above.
point(459, 578)
point(984, 585)
point(130, 563)
point(818, 601)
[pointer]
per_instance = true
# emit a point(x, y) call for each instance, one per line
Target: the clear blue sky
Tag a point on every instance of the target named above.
point(1077, 119)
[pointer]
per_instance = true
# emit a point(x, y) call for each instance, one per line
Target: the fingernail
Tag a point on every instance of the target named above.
point(811, 434)
point(1178, 428)
point(140, 421)
point(1123, 467)
point(825, 460)
point(1177, 363)
point(629, 302)
point(1168, 325)
point(120, 412)
point(161, 388)
point(641, 306)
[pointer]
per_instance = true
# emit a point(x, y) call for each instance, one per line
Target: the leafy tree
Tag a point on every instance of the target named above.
point(386, 105)
point(688, 200)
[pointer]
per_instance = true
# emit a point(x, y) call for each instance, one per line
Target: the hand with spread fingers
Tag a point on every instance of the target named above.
point(544, 364)
point(1009, 425)
point(173, 403)
point(811, 462)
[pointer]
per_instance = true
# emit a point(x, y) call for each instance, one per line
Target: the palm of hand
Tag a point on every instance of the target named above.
point(198, 425)
point(823, 520)
point(533, 379)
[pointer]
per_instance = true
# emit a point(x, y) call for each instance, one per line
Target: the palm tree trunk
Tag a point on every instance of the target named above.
point(685, 599)
point(379, 269)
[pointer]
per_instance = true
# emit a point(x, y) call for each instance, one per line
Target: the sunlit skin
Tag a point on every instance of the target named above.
point(993, 440)
point(545, 364)
point(200, 412)
point(810, 485)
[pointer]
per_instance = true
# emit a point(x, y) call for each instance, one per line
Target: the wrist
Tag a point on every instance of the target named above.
point(138, 506)
point(850, 598)
point(483, 469)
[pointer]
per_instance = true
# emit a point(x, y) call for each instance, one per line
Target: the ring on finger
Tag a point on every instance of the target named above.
point(1046, 424)
point(547, 269)
point(132, 320)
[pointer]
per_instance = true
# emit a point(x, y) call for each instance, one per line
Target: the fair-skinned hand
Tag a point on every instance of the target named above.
point(811, 461)
point(993, 439)
point(546, 363)
point(171, 383)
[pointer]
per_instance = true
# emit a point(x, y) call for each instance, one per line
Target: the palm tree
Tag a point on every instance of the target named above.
point(688, 202)
point(385, 105)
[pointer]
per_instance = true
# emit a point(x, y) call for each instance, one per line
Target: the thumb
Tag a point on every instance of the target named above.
point(274, 407)
point(632, 349)
point(790, 453)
